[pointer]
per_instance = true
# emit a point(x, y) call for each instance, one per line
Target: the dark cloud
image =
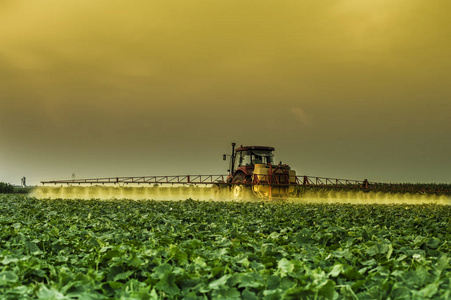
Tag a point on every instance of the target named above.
point(107, 88)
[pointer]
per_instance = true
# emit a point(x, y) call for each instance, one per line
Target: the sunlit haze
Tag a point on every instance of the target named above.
point(348, 89)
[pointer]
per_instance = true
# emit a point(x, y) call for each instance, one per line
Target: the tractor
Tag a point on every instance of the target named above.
point(252, 172)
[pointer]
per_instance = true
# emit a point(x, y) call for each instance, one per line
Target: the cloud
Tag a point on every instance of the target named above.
point(301, 116)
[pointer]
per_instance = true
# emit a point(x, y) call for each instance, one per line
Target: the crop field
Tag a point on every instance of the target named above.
point(145, 249)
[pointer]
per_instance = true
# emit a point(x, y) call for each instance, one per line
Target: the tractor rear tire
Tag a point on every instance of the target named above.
point(238, 188)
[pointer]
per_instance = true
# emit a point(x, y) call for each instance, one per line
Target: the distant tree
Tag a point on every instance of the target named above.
point(6, 188)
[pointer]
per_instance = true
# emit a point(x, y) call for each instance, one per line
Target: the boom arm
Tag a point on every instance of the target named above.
point(301, 181)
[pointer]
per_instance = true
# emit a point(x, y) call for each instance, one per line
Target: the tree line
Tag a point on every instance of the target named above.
point(6, 188)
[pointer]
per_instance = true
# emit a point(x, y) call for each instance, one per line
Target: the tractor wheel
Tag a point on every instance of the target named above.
point(238, 188)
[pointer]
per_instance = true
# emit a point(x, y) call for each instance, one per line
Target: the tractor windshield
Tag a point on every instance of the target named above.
point(262, 157)
point(252, 157)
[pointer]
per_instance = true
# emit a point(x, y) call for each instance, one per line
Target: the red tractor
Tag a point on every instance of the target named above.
point(252, 170)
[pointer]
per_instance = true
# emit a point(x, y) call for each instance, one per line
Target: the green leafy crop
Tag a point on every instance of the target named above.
point(69, 249)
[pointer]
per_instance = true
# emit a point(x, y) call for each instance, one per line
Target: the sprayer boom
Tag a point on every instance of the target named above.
point(212, 179)
point(257, 180)
point(181, 179)
point(252, 169)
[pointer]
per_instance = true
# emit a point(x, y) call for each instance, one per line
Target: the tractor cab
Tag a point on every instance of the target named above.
point(249, 156)
point(244, 158)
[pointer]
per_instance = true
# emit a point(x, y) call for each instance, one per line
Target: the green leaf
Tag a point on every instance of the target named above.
point(327, 290)
point(304, 237)
point(428, 291)
point(9, 259)
point(49, 294)
point(32, 247)
point(272, 282)
point(390, 251)
point(248, 295)
point(135, 260)
point(433, 243)
point(365, 235)
point(115, 284)
point(347, 292)
point(162, 270)
point(227, 293)
point(400, 291)
point(336, 270)
point(286, 283)
point(285, 266)
point(167, 285)
point(18, 290)
point(153, 295)
point(219, 283)
point(272, 294)
point(124, 275)
point(200, 261)
point(379, 248)
point(180, 256)
point(442, 263)
point(244, 261)
point(371, 262)
point(7, 277)
point(250, 280)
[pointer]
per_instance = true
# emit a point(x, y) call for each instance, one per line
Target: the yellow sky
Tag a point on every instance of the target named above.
point(344, 88)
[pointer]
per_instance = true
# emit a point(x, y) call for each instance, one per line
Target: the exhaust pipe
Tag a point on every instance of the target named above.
point(232, 159)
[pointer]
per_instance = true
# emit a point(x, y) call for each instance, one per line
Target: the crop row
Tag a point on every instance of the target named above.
point(69, 249)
